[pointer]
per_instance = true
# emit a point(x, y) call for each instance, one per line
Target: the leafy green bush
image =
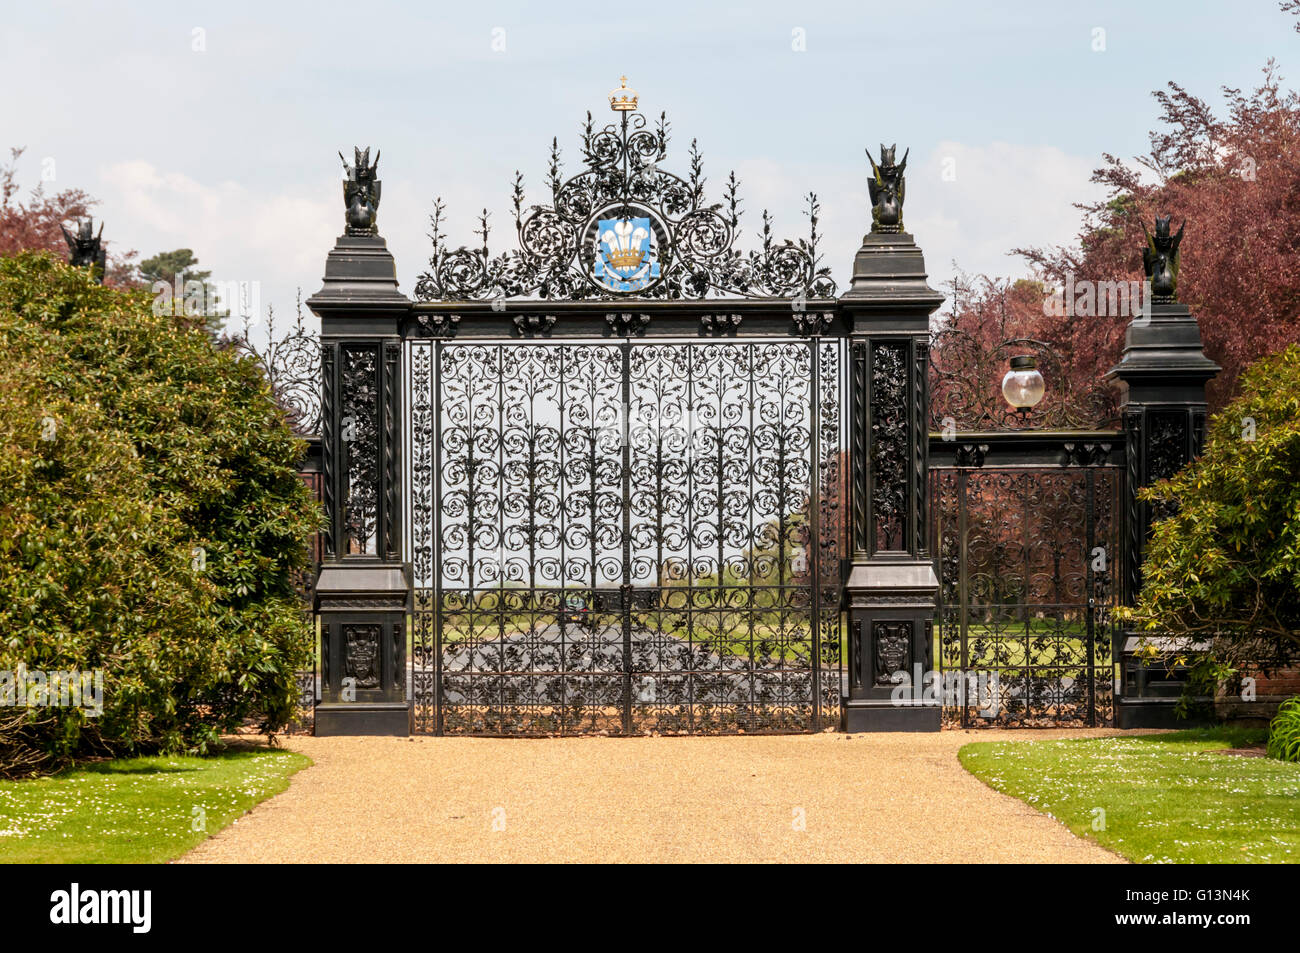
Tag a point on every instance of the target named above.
point(1284, 731)
point(1223, 567)
point(151, 517)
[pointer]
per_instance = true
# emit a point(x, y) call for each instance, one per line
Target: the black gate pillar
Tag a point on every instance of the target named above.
point(1161, 378)
point(892, 587)
point(363, 591)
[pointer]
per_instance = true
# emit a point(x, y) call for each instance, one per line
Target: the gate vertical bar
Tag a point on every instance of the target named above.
point(1090, 589)
point(1026, 482)
point(814, 535)
point(436, 517)
point(625, 590)
point(963, 587)
point(751, 360)
point(561, 409)
point(504, 716)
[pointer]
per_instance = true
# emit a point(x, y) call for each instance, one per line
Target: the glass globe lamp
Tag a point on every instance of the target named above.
point(1023, 385)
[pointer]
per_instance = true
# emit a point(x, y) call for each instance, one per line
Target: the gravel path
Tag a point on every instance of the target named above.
point(886, 797)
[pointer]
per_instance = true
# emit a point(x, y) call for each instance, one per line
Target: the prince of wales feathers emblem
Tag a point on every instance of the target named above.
point(625, 259)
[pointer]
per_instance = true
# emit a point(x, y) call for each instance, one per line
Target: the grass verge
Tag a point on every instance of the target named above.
point(136, 810)
point(1160, 798)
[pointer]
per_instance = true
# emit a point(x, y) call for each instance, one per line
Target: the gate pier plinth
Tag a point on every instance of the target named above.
point(891, 611)
point(362, 611)
point(892, 589)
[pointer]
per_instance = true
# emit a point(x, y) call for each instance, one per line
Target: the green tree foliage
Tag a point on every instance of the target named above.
point(165, 266)
point(151, 517)
point(193, 302)
point(1223, 565)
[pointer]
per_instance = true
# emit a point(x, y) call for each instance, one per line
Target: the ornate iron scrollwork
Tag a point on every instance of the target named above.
point(1168, 448)
point(392, 354)
point(436, 324)
point(1134, 529)
point(624, 227)
point(329, 459)
point(529, 324)
point(812, 322)
point(359, 423)
point(1167, 443)
point(965, 387)
point(1025, 615)
point(638, 536)
point(720, 322)
point(626, 322)
point(858, 452)
point(970, 455)
point(889, 444)
point(919, 541)
point(292, 366)
point(1086, 454)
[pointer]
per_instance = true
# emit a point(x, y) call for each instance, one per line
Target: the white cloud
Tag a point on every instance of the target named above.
point(1004, 195)
point(1001, 195)
point(276, 238)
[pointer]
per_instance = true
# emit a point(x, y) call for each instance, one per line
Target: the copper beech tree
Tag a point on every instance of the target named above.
point(1235, 180)
point(1233, 176)
point(989, 320)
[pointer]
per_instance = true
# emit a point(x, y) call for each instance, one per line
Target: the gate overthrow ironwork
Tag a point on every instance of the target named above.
point(626, 536)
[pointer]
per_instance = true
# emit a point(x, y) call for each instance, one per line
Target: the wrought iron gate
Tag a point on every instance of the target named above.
point(619, 444)
point(626, 536)
point(1026, 534)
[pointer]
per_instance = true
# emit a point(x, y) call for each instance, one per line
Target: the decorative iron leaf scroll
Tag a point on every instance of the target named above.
point(689, 241)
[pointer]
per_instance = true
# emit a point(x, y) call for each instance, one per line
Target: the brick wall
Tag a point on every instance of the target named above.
point(1270, 691)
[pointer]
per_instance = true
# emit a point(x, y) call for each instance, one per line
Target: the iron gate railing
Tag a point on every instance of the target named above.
point(626, 536)
point(1026, 532)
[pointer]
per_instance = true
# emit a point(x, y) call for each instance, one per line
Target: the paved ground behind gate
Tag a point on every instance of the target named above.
point(818, 798)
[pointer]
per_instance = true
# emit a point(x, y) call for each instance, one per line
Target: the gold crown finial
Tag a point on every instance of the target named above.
point(623, 100)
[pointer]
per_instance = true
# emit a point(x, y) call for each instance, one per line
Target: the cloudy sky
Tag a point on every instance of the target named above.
point(216, 126)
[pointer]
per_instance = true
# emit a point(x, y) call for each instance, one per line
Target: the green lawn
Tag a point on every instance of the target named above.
point(136, 810)
point(1166, 798)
